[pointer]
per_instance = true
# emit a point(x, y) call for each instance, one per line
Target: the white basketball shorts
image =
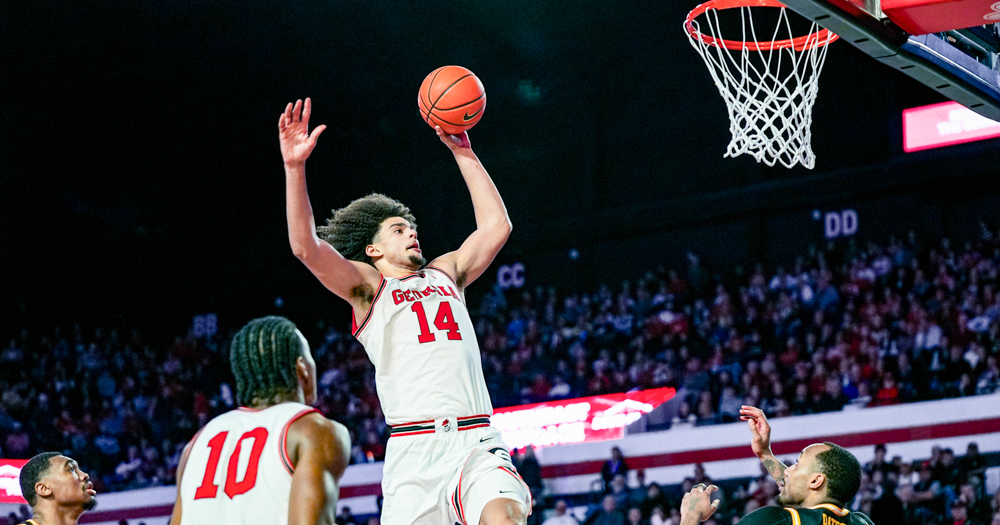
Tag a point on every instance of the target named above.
point(445, 471)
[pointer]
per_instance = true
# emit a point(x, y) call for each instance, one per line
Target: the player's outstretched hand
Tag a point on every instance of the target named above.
point(698, 503)
point(293, 132)
point(454, 142)
point(760, 430)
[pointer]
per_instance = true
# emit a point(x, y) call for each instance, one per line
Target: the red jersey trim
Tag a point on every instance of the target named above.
point(531, 503)
point(458, 289)
point(371, 309)
point(446, 274)
point(283, 439)
point(414, 433)
point(457, 497)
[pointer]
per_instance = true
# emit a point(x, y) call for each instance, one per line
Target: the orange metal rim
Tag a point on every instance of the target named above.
point(820, 38)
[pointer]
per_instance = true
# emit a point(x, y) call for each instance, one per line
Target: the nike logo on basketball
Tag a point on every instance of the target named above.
point(469, 117)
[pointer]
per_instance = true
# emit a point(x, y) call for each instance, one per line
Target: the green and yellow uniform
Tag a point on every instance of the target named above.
point(822, 514)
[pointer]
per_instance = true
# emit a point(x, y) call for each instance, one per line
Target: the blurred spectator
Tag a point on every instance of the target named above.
point(684, 417)
point(659, 517)
point(700, 476)
point(878, 463)
point(948, 472)
point(885, 505)
point(531, 473)
point(345, 517)
point(639, 490)
point(973, 463)
point(561, 516)
point(634, 517)
point(978, 508)
point(127, 469)
point(372, 447)
point(612, 467)
point(959, 514)
point(924, 501)
point(619, 490)
point(654, 498)
point(606, 514)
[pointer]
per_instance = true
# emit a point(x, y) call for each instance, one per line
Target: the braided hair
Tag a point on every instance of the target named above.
point(355, 226)
point(263, 355)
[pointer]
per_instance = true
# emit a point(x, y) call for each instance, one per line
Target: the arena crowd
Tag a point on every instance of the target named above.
point(867, 326)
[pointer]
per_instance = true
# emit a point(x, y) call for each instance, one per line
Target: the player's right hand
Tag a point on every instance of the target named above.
point(760, 430)
point(698, 503)
point(293, 132)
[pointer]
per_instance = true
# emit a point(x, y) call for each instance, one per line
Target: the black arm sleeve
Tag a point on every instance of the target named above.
point(863, 518)
point(767, 516)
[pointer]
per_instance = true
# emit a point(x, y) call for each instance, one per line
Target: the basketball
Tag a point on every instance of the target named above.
point(451, 97)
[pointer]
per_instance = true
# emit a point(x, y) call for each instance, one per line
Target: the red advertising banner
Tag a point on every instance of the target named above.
point(944, 124)
point(10, 486)
point(595, 418)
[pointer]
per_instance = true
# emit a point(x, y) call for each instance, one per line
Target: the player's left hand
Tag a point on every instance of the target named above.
point(454, 142)
point(698, 502)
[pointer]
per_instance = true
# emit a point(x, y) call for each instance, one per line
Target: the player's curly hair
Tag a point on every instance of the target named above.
point(842, 471)
point(263, 356)
point(355, 226)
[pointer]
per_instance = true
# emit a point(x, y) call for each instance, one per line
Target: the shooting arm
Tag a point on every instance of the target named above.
point(493, 225)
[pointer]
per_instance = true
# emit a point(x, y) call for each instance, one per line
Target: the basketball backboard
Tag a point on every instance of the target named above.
point(930, 41)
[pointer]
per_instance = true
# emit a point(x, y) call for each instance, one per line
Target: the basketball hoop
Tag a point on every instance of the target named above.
point(769, 85)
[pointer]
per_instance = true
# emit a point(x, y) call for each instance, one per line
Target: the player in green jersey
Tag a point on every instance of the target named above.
point(813, 491)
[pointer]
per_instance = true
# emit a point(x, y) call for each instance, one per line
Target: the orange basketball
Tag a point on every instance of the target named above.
point(453, 98)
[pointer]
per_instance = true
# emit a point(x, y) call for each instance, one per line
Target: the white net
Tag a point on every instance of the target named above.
point(769, 86)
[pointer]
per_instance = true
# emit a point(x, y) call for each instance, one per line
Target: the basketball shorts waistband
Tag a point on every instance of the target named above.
point(440, 425)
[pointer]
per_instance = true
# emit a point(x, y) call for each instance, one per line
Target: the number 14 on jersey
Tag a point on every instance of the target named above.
point(444, 321)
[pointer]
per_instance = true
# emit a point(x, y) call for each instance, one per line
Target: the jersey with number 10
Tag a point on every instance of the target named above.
point(420, 338)
point(238, 470)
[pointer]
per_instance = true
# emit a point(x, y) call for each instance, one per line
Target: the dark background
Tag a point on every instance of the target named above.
point(142, 182)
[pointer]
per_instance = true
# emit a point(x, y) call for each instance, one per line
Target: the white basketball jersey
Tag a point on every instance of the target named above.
point(420, 338)
point(238, 470)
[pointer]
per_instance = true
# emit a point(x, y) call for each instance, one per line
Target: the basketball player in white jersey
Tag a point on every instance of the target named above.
point(444, 462)
point(275, 459)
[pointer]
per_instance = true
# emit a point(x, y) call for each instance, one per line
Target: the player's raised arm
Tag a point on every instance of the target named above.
point(339, 275)
point(320, 450)
point(492, 223)
point(760, 441)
